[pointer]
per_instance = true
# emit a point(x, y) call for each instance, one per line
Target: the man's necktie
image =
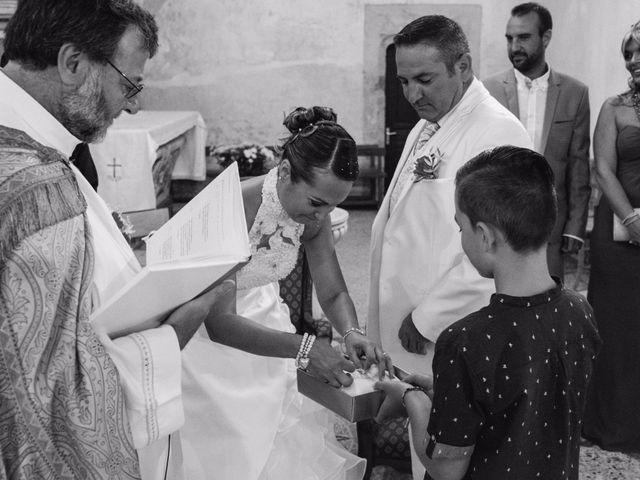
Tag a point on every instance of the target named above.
point(405, 175)
point(82, 159)
point(426, 134)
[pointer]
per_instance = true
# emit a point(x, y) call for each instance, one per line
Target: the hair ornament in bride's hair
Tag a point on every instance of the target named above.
point(305, 121)
point(317, 141)
point(302, 117)
point(349, 169)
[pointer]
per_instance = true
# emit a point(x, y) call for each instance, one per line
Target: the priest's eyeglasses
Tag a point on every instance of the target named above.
point(133, 89)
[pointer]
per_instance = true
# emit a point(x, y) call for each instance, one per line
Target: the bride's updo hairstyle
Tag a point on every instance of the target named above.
point(318, 142)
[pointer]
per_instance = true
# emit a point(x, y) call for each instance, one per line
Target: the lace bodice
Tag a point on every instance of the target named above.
point(274, 239)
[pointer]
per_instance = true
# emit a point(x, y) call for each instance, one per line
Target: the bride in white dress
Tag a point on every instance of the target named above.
point(245, 419)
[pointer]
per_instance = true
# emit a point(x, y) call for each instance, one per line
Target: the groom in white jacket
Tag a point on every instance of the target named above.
point(421, 280)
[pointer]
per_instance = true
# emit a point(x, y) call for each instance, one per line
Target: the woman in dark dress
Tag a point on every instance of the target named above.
point(612, 416)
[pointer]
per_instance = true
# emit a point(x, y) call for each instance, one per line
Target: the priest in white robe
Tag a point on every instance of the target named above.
point(74, 403)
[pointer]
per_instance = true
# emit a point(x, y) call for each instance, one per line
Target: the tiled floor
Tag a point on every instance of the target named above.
point(353, 253)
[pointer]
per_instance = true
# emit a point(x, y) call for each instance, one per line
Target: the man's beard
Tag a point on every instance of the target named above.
point(84, 113)
point(526, 62)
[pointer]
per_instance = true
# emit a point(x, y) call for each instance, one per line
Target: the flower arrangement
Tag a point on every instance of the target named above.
point(252, 159)
point(426, 166)
point(124, 224)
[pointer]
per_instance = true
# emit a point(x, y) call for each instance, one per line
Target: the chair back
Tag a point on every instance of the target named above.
point(369, 188)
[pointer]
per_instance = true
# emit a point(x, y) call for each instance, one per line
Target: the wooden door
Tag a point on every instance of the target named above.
point(400, 117)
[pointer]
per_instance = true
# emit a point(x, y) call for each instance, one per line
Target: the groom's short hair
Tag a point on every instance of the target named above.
point(512, 189)
point(435, 31)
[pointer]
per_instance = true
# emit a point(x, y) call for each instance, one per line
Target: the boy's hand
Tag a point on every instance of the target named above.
point(392, 403)
point(410, 337)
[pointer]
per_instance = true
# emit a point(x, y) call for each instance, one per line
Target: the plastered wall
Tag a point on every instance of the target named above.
point(244, 64)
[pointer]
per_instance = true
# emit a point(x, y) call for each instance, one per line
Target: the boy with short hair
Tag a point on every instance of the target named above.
point(507, 396)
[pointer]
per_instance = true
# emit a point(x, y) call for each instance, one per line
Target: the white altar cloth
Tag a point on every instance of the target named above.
point(125, 158)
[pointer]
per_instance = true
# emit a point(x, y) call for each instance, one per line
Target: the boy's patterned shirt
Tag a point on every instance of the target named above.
point(510, 383)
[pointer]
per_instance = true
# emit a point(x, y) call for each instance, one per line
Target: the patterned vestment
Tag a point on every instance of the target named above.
point(62, 412)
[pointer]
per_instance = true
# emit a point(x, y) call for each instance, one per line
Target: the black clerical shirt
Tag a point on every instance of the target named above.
point(82, 159)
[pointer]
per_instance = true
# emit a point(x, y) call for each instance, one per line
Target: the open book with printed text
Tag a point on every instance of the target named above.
point(197, 248)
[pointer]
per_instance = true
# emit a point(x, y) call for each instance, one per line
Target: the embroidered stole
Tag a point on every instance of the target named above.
point(61, 403)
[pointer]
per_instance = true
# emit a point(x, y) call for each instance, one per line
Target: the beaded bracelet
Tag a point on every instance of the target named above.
point(412, 389)
point(299, 357)
point(308, 345)
point(352, 330)
point(304, 340)
point(302, 358)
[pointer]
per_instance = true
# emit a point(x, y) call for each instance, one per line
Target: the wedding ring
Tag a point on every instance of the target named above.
point(385, 354)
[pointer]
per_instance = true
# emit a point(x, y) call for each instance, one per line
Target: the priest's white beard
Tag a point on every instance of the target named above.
point(85, 113)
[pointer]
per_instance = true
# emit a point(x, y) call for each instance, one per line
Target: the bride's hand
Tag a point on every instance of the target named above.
point(328, 364)
point(359, 346)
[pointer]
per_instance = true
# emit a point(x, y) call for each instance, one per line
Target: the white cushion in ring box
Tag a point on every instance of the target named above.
point(359, 401)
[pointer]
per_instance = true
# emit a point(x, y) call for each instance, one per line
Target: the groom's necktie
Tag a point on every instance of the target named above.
point(405, 175)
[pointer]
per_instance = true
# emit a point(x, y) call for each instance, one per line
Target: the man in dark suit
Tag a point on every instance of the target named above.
point(554, 108)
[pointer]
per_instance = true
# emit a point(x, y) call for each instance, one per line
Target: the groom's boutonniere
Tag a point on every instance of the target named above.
point(426, 166)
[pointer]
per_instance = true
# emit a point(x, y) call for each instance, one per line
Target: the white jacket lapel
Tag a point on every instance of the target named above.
point(404, 158)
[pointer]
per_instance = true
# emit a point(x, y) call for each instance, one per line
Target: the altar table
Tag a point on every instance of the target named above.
point(125, 159)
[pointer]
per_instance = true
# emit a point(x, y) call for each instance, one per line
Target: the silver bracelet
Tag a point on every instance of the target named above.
point(352, 330)
point(632, 220)
point(632, 217)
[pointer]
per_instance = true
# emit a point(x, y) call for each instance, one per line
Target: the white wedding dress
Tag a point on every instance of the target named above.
point(245, 419)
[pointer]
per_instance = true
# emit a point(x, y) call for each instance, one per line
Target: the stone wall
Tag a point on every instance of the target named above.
point(244, 64)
